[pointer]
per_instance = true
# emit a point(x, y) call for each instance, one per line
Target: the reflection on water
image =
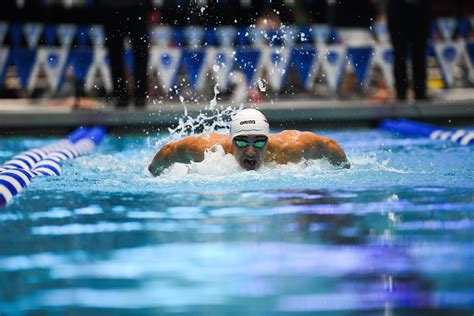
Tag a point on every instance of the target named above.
point(273, 251)
point(393, 239)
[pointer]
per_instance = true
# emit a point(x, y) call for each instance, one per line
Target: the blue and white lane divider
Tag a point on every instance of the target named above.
point(17, 173)
point(412, 128)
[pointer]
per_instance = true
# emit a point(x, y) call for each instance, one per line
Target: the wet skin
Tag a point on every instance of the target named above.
point(284, 147)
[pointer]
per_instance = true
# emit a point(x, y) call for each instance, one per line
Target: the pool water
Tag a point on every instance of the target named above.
point(391, 236)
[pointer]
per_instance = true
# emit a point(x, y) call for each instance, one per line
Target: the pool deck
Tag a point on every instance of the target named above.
point(22, 115)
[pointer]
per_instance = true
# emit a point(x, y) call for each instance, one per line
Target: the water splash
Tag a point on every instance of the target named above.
point(213, 118)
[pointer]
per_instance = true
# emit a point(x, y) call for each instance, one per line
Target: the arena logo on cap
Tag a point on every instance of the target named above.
point(247, 122)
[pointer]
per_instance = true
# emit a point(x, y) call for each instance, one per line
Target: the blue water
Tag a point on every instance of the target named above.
point(391, 236)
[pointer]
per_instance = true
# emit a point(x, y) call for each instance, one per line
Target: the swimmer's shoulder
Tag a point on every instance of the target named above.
point(207, 140)
point(288, 136)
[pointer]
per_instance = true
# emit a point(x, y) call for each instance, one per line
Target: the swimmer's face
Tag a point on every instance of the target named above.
point(249, 150)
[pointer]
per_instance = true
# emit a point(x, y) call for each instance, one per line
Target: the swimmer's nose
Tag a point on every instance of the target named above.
point(250, 150)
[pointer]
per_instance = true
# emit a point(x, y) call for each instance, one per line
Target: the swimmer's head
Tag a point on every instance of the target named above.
point(249, 122)
point(249, 130)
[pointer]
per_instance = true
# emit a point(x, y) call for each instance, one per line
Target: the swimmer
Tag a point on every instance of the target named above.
point(252, 145)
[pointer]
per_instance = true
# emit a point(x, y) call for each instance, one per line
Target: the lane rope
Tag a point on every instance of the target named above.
point(17, 173)
point(463, 137)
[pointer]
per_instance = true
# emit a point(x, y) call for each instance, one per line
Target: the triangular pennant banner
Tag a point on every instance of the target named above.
point(320, 33)
point(99, 66)
point(32, 33)
point(226, 35)
point(127, 58)
point(24, 60)
point(448, 55)
point(470, 59)
point(16, 33)
point(463, 27)
point(333, 60)
point(82, 35)
point(97, 35)
point(306, 62)
point(361, 59)
point(3, 31)
point(52, 61)
point(248, 61)
point(166, 62)
point(289, 35)
point(80, 59)
point(50, 34)
point(66, 34)
point(194, 61)
point(276, 62)
point(383, 57)
point(447, 27)
point(161, 36)
point(194, 36)
point(220, 61)
point(381, 32)
point(3, 62)
point(258, 37)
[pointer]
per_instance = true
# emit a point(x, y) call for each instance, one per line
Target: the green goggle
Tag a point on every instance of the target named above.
point(243, 143)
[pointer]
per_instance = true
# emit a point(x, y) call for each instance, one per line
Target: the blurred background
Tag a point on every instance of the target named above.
point(251, 51)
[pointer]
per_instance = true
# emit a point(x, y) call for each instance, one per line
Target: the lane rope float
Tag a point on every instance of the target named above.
point(17, 173)
point(463, 137)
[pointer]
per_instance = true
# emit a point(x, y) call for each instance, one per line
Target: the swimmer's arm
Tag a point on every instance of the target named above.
point(324, 147)
point(182, 151)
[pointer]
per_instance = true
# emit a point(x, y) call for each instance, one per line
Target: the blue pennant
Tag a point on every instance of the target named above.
point(24, 59)
point(303, 59)
point(361, 58)
point(463, 27)
point(128, 60)
point(247, 61)
point(178, 36)
point(81, 60)
point(194, 60)
point(50, 34)
point(470, 51)
point(83, 35)
point(16, 34)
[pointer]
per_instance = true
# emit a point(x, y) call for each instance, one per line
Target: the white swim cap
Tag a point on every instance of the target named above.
point(249, 122)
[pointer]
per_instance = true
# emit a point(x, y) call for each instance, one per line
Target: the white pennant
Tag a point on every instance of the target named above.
point(446, 26)
point(383, 57)
point(166, 62)
point(226, 35)
point(161, 36)
point(258, 36)
point(99, 66)
point(220, 61)
point(97, 35)
point(32, 33)
point(194, 36)
point(382, 33)
point(66, 34)
point(334, 60)
point(3, 31)
point(290, 34)
point(448, 55)
point(52, 61)
point(3, 59)
point(320, 33)
point(276, 62)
